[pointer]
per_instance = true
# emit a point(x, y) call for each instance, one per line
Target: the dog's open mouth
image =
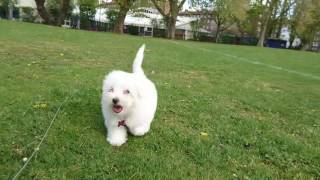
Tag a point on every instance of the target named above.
point(117, 108)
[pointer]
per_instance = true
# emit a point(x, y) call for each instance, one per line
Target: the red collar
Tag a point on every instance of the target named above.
point(121, 123)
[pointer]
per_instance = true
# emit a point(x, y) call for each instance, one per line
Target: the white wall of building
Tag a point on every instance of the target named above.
point(26, 3)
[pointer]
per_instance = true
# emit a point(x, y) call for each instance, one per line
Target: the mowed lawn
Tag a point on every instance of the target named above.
point(260, 108)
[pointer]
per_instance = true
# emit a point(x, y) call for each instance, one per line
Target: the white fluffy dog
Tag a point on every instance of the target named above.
point(129, 102)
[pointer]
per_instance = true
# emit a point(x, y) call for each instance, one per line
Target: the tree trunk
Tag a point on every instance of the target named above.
point(271, 24)
point(64, 7)
point(263, 33)
point(169, 13)
point(10, 10)
point(280, 24)
point(43, 12)
point(171, 28)
point(283, 15)
point(264, 27)
point(292, 35)
point(118, 28)
point(217, 35)
point(267, 14)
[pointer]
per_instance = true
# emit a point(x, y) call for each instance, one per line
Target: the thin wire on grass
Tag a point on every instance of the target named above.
point(42, 139)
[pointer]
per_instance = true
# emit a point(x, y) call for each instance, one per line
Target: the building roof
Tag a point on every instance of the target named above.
point(183, 22)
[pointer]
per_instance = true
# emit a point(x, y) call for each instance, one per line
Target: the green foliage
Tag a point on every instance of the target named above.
point(112, 16)
point(228, 39)
point(88, 8)
point(53, 7)
point(306, 19)
point(250, 24)
point(5, 7)
point(87, 12)
point(224, 12)
point(28, 14)
point(6, 3)
point(88, 3)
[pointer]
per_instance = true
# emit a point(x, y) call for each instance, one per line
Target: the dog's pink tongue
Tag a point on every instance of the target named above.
point(117, 109)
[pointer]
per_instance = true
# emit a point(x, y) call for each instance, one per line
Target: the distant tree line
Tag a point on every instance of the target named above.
point(266, 18)
point(256, 18)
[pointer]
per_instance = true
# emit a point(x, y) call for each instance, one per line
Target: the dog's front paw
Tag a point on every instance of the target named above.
point(140, 130)
point(116, 141)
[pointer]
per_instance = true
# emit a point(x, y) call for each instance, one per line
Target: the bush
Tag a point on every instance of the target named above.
point(28, 14)
point(133, 30)
point(252, 41)
point(159, 33)
point(3, 12)
point(232, 39)
point(228, 39)
point(112, 16)
point(206, 37)
point(53, 8)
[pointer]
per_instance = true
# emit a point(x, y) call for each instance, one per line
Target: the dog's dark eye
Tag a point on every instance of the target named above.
point(126, 92)
point(110, 90)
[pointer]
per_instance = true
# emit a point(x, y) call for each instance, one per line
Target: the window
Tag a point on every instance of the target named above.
point(141, 29)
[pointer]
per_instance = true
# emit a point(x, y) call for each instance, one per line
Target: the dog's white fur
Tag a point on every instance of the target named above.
point(137, 96)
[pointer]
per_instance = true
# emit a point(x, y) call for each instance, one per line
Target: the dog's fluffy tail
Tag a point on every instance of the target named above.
point(137, 63)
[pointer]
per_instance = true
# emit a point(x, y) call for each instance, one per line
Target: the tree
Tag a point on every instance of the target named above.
point(306, 21)
point(225, 13)
point(112, 16)
point(42, 11)
point(122, 8)
point(266, 16)
point(195, 26)
point(157, 23)
point(8, 6)
point(169, 9)
point(62, 8)
point(279, 17)
point(87, 12)
point(250, 24)
point(286, 6)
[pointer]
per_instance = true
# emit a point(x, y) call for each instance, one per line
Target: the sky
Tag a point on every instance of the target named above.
point(186, 5)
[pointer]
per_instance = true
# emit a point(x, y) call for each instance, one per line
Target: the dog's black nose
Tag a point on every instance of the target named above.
point(115, 100)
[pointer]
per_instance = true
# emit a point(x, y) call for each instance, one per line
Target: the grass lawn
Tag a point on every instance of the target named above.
point(260, 108)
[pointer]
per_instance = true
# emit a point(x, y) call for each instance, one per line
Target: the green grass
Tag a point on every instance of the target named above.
point(262, 122)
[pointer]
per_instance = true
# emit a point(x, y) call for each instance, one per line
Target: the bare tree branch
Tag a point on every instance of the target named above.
point(159, 8)
point(181, 4)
